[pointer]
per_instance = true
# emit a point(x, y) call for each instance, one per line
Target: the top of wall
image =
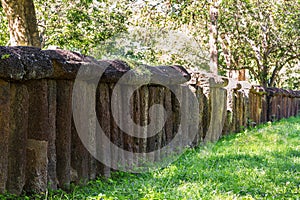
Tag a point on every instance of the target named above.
point(22, 63)
point(27, 63)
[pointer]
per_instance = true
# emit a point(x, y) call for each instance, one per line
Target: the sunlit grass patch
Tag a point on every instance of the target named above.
point(259, 163)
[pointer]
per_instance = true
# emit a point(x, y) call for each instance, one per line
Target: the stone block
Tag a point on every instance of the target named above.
point(63, 132)
point(36, 166)
point(17, 141)
point(218, 101)
point(52, 176)
point(103, 112)
point(4, 131)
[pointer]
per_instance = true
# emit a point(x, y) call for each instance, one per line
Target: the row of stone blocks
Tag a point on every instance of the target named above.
point(253, 105)
point(40, 144)
point(245, 105)
point(40, 147)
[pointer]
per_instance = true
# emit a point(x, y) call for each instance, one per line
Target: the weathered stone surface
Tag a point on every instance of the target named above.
point(85, 121)
point(282, 92)
point(79, 159)
point(103, 113)
point(264, 105)
point(144, 115)
point(152, 141)
point(11, 67)
point(19, 63)
point(258, 104)
point(25, 63)
point(4, 131)
point(237, 106)
point(92, 117)
point(163, 75)
point(18, 126)
point(39, 127)
point(231, 88)
point(81, 136)
point(195, 120)
point(156, 96)
point(52, 176)
point(202, 101)
point(127, 117)
point(184, 109)
point(218, 100)
point(39, 131)
point(280, 103)
point(190, 115)
point(136, 116)
point(63, 132)
point(169, 122)
point(117, 157)
point(205, 81)
point(36, 166)
point(115, 69)
point(176, 111)
point(66, 63)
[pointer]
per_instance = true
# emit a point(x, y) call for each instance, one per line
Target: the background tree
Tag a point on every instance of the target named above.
point(80, 25)
point(77, 25)
point(21, 22)
point(164, 32)
point(261, 36)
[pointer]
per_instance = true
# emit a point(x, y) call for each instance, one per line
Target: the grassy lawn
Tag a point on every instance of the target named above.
point(261, 163)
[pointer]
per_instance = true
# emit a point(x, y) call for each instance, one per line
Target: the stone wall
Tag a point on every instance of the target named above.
point(250, 105)
point(39, 143)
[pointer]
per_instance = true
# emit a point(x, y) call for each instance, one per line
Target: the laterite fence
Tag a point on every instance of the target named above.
point(40, 147)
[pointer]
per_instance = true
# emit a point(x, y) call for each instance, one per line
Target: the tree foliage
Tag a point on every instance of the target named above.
point(261, 36)
point(161, 32)
point(79, 25)
point(4, 34)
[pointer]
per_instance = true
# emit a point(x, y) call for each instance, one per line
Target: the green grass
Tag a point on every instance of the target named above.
point(262, 163)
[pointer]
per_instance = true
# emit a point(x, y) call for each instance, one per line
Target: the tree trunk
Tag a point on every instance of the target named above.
point(213, 36)
point(22, 22)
